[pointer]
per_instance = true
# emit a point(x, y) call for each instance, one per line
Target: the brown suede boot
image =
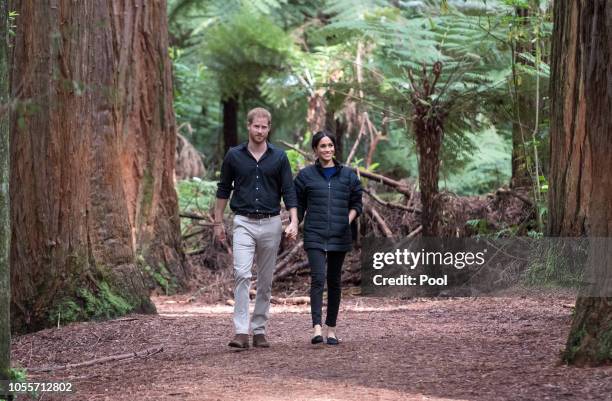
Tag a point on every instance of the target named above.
point(240, 341)
point(259, 340)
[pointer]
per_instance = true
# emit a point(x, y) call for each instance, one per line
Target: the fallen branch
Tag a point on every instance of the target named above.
point(415, 232)
point(197, 232)
point(290, 269)
point(390, 204)
point(118, 357)
point(380, 221)
point(359, 135)
point(288, 257)
point(197, 252)
point(194, 216)
point(398, 186)
point(308, 156)
point(216, 284)
point(291, 300)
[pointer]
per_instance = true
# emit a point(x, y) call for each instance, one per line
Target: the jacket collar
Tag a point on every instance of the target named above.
point(337, 164)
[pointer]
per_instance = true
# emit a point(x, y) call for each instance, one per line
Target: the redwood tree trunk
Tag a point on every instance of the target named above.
point(92, 160)
point(5, 222)
point(581, 145)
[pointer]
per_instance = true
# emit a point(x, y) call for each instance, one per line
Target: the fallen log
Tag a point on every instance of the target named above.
point(380, 221)
point(112, 358)
point(290, 301)
point(280, 265)
point(290, 269)
point(390, 204)
point(398, 186)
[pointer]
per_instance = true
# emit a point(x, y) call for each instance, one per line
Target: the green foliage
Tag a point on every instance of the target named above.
point(18, 375)
point(243, 49)
point(196, 100)
point(551, 267)
point(574, 343)
point(296, 160)
point(159, 275)
point(100, 303)
point(196, 195)
point(479, 226)
point(279, 54)
point(487, 168)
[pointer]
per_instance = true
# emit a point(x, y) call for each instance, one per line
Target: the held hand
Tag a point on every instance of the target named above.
point(219, 233)
point(291, 231)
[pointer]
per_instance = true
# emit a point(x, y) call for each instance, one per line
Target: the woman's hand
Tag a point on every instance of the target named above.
point(292, 230)
point(352, 215)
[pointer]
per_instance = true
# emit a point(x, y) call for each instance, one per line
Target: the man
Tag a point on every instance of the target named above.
point(260, 173)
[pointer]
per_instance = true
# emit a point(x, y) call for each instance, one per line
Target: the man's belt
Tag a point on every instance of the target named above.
point(258, 216)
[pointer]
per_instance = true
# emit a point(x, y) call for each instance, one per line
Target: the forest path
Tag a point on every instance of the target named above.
point(457, 349)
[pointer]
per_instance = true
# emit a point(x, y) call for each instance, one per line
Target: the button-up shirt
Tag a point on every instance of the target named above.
point(257, 185)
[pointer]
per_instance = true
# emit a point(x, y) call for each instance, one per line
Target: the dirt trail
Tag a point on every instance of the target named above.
point(461, 349)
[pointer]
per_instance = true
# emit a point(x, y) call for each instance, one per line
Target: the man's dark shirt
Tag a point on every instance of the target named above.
point(257, 185)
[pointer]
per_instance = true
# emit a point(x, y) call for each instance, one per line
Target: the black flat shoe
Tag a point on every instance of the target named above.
point(316, 340)
point(332, 341)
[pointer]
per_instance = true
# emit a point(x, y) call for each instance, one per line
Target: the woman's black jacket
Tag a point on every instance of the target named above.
point(326, 205)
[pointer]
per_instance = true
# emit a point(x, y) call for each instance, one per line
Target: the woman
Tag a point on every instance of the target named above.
point(329, 195)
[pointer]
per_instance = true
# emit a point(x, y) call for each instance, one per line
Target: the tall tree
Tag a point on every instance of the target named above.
point(581, 145)
point(230, 123)
point(524, 101)
point(92, 160)
point(5, 222)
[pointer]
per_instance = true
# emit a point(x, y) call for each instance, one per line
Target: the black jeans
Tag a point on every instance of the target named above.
point(317, 259)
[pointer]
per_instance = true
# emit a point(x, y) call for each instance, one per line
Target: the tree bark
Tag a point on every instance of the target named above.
point(340, 131)
point(230, 123)
point(428, 127)
point(571, 159)
point(317, 111)
point(5, 222)
point(581, 145)
point(524, 110)
point(92, 160)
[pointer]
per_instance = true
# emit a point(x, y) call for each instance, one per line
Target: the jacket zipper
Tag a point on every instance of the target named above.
point(328, 211)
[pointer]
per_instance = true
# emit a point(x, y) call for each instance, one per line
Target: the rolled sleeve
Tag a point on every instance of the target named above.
point(225, 185)
point(288, 189)
point(355, 201)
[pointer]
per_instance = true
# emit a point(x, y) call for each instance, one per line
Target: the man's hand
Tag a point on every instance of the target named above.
point(219, 233)
point(292, 230)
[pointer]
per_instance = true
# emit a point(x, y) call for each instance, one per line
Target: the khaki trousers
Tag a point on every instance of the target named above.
point(254, 240)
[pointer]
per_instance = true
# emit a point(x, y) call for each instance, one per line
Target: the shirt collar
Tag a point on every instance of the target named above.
point(269, 148)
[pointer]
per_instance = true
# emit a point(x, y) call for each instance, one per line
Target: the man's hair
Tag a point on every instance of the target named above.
point(258, 112)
